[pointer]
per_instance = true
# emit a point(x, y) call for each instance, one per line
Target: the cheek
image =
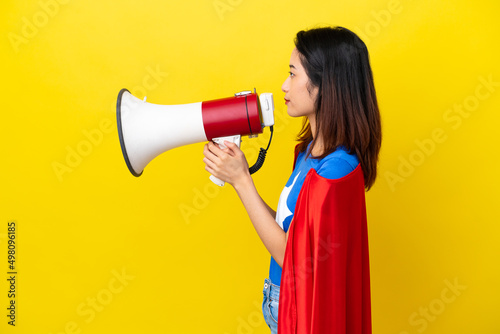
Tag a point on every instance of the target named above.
point(310, 98)
point(302, 103)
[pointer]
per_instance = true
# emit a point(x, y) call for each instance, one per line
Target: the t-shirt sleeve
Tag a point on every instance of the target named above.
point(335, 168)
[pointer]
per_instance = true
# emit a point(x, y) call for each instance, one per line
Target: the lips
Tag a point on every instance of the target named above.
point(286, 101)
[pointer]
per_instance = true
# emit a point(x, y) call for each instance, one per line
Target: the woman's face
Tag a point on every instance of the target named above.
point(297, 97)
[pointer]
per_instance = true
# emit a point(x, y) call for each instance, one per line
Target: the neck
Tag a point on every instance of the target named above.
point(317, 150)
point(312, 123)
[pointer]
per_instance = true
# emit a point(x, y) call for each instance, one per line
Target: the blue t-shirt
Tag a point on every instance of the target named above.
point(334, 166)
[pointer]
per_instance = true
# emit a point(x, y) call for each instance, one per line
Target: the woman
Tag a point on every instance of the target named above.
point(321, 219)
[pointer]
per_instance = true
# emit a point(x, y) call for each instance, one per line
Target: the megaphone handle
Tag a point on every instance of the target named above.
point(217, 181)
point(220, 141)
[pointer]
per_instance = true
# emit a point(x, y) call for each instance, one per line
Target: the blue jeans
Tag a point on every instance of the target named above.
point(270, 305)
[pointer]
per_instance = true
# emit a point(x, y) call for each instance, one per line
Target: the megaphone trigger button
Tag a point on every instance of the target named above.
point(243, 93)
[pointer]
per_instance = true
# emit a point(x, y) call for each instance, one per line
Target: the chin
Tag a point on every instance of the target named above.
point(292, 113)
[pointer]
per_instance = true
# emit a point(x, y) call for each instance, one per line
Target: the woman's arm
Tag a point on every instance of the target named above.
point(269, 209)
point(230, 166)
point(272, 236)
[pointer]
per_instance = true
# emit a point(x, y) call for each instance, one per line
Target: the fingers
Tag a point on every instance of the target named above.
point(209, 163)
point(227, 164)
point(212, 151)
point(209, 166)
point(214, 158)
point(214, 148)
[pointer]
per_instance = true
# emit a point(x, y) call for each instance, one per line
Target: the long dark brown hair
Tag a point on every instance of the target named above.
point(336, 61)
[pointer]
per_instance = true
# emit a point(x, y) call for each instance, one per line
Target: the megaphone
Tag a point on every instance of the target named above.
point(147, 130)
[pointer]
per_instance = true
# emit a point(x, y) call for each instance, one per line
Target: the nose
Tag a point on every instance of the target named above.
point(285, 87)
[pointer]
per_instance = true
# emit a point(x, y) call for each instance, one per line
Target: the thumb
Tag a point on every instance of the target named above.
point(230, 144)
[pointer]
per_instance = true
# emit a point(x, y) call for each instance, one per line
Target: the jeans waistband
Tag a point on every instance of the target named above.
point(271, 290)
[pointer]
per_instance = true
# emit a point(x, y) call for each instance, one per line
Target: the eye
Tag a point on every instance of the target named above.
point(291, 74)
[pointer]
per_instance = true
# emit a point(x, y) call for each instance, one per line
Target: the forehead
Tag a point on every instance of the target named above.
point(295, 59)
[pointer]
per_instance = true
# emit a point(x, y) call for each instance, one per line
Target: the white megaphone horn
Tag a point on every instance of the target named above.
point(146, 130)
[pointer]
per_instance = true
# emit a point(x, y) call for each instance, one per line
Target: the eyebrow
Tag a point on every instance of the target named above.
point(291, 66)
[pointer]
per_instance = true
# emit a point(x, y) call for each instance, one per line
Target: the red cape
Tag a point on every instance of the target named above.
point(325, 282)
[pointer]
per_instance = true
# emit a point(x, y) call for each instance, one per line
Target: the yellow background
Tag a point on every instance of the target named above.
point(188, 257)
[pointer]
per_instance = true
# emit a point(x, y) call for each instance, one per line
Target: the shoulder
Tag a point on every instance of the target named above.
point(299, 158)
point(337, 164)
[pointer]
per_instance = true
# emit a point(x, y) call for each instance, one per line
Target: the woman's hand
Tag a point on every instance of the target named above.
point(229, 164)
